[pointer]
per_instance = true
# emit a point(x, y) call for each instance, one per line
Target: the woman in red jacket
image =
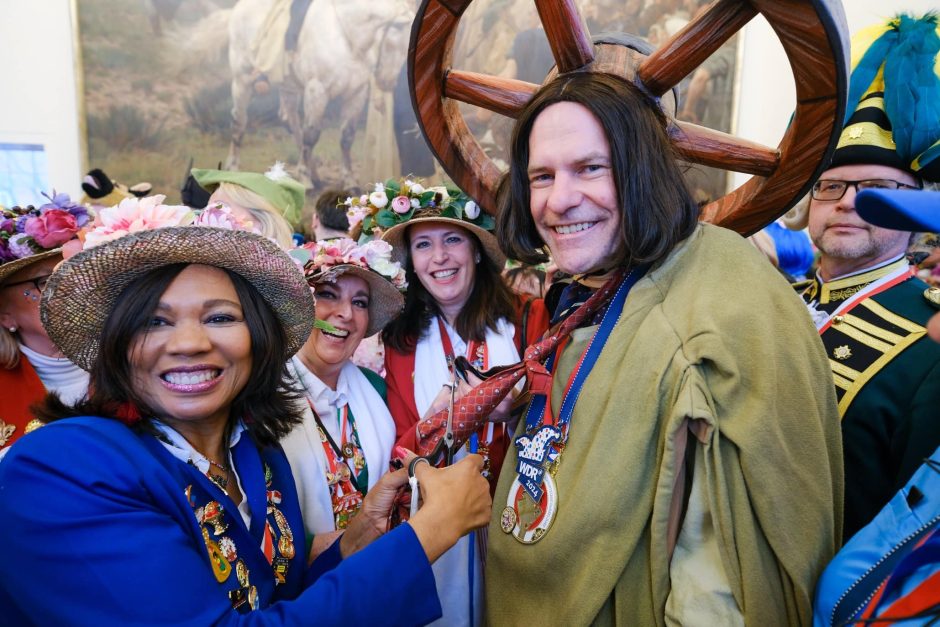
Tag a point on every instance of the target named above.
point(30, 364)
point(456, 305)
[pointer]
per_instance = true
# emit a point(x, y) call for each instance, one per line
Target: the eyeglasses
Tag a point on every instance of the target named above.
point(38, 282)
point(832, 189)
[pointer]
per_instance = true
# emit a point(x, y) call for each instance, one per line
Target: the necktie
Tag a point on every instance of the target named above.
point(470, 411)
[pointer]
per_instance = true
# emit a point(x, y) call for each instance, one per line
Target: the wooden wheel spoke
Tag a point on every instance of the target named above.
point(706, 146)
point(567, 34)
point(502, 95)
point(688, 48)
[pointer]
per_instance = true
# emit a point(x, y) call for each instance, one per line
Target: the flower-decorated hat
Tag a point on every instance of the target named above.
point(276, 185)
point(140, 235)
point(28, 234)
point(893, 113)
point(393, 206)
point(326, 260)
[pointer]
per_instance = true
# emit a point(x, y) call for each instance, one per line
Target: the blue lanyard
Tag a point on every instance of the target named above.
point(534, 416)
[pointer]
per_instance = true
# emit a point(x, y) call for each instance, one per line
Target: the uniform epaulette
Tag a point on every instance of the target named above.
point(799, 286)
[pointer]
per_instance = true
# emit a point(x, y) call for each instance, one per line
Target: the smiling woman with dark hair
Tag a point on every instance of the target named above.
point(164, 498)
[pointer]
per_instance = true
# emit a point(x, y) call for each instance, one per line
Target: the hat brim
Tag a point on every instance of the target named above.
point(396, 237)
point(899, 209)
point(385, 301)
point(11, 267)
point(83, 291)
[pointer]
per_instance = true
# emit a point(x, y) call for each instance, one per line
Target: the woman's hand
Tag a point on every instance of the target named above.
point(372, 519)
point(456, 500)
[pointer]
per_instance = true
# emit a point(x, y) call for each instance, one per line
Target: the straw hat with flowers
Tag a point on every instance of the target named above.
point(326, 260)
point(140, 235)
point(393, 206)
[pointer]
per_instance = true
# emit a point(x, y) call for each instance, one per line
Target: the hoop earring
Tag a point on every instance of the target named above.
point(12, 329)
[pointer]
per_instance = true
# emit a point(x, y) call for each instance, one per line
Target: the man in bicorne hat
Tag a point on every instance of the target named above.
point(865, 300)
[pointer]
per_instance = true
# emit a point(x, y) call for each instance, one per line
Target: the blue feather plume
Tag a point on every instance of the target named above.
point(912, 87)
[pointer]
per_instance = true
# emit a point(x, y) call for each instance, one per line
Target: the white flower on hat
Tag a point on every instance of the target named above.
point(440, 189)
point(277, 172)
point(379, 187)
point(378, 198)
point(415, 203)
point(417, 188)
point(471, 210)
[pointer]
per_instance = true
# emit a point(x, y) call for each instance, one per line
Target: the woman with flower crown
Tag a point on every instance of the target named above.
point(457, 305)
point(163, 497)
point(344, 445)
point(30, 364)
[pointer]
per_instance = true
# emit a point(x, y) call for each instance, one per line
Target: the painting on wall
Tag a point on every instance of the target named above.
point(320, 85)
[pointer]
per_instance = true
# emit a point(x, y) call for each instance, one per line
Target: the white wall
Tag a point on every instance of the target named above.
point(38, 92)
point(768, 94)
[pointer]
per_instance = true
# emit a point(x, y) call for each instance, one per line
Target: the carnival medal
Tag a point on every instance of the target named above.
point(533, 498)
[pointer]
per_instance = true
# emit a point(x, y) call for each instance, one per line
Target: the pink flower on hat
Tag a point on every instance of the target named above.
point(52, 228)
point(136, 214)
point(401, 204)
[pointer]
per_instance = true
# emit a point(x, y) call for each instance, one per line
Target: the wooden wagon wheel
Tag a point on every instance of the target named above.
point(812, 32)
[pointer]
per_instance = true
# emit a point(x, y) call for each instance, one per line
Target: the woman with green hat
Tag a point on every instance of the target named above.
point(271, 201)
point(457, 305)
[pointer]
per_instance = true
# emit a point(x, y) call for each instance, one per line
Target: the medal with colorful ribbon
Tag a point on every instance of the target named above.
point(533, 497)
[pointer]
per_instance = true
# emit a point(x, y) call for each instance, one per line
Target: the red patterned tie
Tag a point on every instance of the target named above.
point(471, 410)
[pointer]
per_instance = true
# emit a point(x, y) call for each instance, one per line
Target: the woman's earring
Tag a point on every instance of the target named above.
point(12, 329)
point(477, 258)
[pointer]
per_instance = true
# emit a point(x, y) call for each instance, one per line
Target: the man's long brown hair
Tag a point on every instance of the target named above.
point(657, 209)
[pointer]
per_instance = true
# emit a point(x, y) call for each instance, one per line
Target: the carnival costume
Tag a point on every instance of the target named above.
point(416, 376)
point(29, 235)
point(139, 532)
point(344, 444)
point(872, 322)
point(890, 570)
point(679, 361)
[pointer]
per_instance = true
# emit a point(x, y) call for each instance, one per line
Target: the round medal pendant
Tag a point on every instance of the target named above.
point(526, 520)
point(349, 450)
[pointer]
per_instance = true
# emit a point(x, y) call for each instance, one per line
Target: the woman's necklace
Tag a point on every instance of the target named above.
point(219, 480)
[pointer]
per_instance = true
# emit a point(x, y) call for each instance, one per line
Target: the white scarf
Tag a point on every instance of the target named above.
point(431, 364)
point(304, 449)
point(59, 375)
point(452, 568)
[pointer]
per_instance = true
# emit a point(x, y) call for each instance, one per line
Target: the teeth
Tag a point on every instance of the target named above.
point(443, 274)
point(340, 333)
point(190, 378)
point(573, 228)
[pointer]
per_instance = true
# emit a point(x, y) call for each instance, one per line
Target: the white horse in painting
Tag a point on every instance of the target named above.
point(342, 45)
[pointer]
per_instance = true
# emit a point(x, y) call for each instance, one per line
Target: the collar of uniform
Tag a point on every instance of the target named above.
point(844, 287)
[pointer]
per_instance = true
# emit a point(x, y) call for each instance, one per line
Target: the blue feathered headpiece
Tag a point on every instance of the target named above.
point(893, 112)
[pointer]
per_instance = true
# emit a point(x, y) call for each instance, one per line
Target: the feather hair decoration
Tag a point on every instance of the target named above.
point(277, 172)
point(867, 69)
point(912, 87)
